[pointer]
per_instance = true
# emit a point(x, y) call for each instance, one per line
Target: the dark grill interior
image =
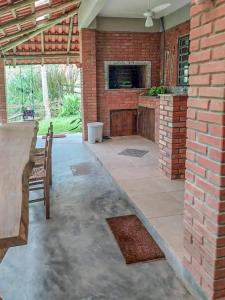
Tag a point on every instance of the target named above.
point(126, 76)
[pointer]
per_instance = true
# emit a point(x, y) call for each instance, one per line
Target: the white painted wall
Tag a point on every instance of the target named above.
point(180, 16)
point(125, 24)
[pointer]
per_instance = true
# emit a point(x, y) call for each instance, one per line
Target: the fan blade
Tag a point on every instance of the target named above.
point(161, 7)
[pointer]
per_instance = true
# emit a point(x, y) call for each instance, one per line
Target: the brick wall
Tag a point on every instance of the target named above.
point(172, 135)
point(3, 113)
point(88, 77)
point(152, 102)
point(171, 46)
point(205, 174)
point(128, 47)
point(110, 46)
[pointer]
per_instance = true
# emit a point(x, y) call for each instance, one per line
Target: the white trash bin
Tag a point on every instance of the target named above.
point(95, 132)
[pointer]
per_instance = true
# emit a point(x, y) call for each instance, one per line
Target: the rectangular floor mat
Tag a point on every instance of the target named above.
point(135, 242)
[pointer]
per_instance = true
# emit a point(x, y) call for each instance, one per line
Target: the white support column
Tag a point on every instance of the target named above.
point(45, 91)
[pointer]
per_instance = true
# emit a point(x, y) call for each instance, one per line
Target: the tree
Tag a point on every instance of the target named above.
point(45, 92)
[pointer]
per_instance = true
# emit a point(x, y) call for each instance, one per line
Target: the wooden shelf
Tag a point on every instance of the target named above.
point(17, 145)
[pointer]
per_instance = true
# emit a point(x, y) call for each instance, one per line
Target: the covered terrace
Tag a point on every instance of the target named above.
point(124, 48)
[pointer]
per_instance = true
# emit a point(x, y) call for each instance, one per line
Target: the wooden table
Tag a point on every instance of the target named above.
point(17, 145)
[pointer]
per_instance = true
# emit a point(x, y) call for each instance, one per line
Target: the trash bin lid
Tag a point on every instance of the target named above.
point(95, 124)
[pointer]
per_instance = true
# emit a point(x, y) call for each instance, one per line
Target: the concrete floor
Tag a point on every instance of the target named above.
point(74, 255)
point(158, 198)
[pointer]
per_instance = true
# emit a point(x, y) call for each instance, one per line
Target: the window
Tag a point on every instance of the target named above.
point(183, 65)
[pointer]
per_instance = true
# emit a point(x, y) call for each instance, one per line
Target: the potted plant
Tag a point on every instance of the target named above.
point(156, 90)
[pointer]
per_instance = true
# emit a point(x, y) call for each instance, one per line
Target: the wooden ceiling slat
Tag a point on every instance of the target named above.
point(48, 53)
point(42, 43)
point(37, 14)
point(54, 56)
point(49, 41)
point(70, 35)
point(31, 29)
point(7, 9)
point(38, 31)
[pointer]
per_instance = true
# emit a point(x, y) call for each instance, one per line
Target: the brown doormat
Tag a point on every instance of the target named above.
point(135, 242)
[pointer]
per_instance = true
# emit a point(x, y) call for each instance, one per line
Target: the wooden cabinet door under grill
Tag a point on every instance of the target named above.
point(146, 123)
point(123, 122)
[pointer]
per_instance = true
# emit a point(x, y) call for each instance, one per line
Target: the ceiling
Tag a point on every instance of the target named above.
point(136, 9)
point(39, 31)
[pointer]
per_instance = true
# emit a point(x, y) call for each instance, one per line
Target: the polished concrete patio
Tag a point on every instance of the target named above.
point(158, 198)
point(74, 255)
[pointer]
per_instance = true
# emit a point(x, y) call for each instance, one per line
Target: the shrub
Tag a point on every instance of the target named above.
point(70, 106)
point(76, 123)
point(155, 91)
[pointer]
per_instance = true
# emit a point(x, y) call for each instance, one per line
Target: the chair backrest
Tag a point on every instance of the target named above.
point(48, 148)
point(47, 164)
point(50, 129)
point(46, 145)
point(50, 133)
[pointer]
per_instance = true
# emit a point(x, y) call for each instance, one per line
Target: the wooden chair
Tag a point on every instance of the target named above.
point(41, 151)
point(40, 179)
point(39, 158)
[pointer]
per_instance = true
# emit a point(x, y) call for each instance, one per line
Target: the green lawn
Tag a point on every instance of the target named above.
point(60, 125)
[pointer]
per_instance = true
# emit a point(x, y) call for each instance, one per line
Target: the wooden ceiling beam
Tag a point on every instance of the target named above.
point(42, 56)
point(8, 8)
point(60, 61)
point(23, 32)
point(27, 31)
point(39, 13)
point(3, 32)
point(13, 11)
point(49, 52)
point(48, 24)
point(42, 43)
point(70, 35)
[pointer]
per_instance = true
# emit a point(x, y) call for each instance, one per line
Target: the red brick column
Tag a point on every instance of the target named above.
point(172, 135)
point(88, 77)
point(205, 168)
point(3, 112)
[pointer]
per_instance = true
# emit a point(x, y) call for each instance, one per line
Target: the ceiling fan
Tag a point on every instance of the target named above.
point(151, 13)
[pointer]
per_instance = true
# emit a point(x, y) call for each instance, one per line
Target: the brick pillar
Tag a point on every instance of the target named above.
point(204, 211)
point(3, 112)
point(172, 135)
point(88, 77)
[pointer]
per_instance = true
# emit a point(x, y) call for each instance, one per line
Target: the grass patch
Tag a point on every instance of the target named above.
point(60, 125)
